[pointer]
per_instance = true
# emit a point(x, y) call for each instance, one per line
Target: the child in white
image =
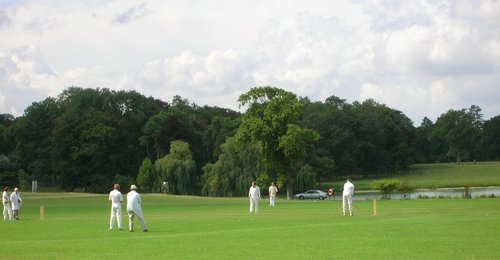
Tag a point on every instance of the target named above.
point(254, 195)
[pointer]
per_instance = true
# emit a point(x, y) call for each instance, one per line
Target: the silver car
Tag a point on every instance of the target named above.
point(312, 194)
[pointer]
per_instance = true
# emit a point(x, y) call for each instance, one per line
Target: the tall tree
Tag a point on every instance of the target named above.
point(216, 133)
point(384, 138)
point(176, 123)
point(271, 119)
point(177, 168)
point(461, 130)
point(33, 135)
point(237, 165)
point(95, 136)
point(147, 178)
point(490, 142)
point(333, 154)
point(132, 110)
point(84, 137)
point(6, 142)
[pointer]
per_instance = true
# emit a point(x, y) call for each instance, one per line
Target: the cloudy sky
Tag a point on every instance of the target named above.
point(420, 57)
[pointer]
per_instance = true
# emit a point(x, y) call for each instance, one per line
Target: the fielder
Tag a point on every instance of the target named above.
point(15, 199)
point(272, 194)
point(134, 209)
point(7, 209)
point(254, 195)
point(116, 199)
point(347, 197)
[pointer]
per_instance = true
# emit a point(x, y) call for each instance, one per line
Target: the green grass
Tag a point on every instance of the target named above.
point(184, 227)
point(438, 175)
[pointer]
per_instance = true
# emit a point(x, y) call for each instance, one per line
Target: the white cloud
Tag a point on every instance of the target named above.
point(420, 57)
point(215, 79)
point(134, 12)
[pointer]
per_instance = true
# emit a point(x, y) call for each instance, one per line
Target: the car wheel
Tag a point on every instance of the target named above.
point(301, 197)
point(322, 198)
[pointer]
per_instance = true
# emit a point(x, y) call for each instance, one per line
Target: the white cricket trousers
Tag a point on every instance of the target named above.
point(347, 199)
point(272, 200)
point(7, 212)
point(131, 215)
point(116, 214)
point(254, 204)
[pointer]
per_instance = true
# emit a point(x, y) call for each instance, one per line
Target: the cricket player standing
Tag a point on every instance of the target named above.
point(7, 209)
point(347, 197)
point(254, 195)
point(116, 198)
point(134, 209)
point(272, 194)
point(16, 201)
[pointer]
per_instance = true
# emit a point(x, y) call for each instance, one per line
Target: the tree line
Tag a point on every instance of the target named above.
point(88, 139)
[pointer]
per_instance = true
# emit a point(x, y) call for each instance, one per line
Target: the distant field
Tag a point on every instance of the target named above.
point(185, 227)
point(441, 175)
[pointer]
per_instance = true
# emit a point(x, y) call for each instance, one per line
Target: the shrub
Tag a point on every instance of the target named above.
point(386, 186)
point(405, 187)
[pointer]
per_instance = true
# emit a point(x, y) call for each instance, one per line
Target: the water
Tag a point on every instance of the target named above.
point(432, 193)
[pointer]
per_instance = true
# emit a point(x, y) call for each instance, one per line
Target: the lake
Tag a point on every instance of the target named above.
point(430, 193)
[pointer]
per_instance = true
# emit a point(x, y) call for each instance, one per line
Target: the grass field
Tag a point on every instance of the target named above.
point(439, 175)
point(184, 227)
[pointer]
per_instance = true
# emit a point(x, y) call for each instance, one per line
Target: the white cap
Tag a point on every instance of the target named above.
point(16, 189)
point(133, 187)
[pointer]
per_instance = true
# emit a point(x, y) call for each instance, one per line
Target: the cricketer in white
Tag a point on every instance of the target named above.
point(134, 209)
point(347, 197)
point(272, 194)
point(254, 195)
point(116, 198)
point(7, 209)
point(15, 199)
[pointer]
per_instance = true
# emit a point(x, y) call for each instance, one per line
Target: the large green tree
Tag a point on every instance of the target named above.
point(461, 129)
point(177, 168)
point(84, 138)
point(491, 139)
point(147, 178)
point(216, 133)
point(238, 164)
point(430, 147)
point(7, 144)
point(361, 138)
point(271, 119)
point(33, 135)
point(333, 154)
point(385, 138)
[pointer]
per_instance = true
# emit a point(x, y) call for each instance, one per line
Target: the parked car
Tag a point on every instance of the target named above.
point(312, 194)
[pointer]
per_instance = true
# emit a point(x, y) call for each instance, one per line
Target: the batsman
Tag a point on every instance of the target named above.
point(347, 197)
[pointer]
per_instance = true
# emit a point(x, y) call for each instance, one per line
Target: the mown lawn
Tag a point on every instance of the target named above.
point(186, 227)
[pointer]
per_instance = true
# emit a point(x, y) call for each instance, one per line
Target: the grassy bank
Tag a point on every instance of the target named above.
point(439, 175)
point(76, 227)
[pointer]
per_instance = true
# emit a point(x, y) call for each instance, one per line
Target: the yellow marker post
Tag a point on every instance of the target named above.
point(42, 212)
point(374, 207)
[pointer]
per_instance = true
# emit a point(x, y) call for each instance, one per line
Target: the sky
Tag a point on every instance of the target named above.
point(422, 58)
